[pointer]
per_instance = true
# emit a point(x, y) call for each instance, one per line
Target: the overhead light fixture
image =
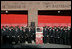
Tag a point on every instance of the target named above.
point(58, 11)
point(6, 11)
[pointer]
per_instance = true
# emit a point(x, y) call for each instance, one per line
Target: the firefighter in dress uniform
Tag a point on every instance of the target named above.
point(69, 33)
point(45, 31)
point(4, 35)
point(57, 35)
point(13, 38)
point(26, 34)
point(7, 34)
point(61, 35)
point(51, 35)
point(23, 35)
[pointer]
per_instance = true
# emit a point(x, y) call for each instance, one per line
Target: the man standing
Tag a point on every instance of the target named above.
point(29, 35)
point(23, 35)
point(68, 37)
point(3, 35)
point(45, 31)
point(61, 35)
point(65, 35)
point(26, 34)
point(57, 35)
point(51, 38)
point(7, 34)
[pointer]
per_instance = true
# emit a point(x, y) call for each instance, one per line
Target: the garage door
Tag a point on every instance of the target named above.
point(51, 20)
point(14, 19)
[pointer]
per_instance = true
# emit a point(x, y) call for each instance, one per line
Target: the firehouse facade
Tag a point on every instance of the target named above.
point(46, 21)
point(32, 8)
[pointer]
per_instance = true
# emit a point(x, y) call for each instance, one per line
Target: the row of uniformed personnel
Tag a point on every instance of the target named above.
point(16, 34)
point(58, 35)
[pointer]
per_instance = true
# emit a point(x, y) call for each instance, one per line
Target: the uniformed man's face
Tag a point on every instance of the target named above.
point(64, 28)
point(20, 28)
point(53, 29)
point(50, 29)
point(7, 27)
point(10, 29)
point(61, 28)
point(57, 30)
point(68, 28)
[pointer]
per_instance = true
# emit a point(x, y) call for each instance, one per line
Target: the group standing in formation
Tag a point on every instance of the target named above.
point(56, 35)
point(17, 34)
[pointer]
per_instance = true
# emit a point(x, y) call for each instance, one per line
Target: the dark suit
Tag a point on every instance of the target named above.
point(4, 36)
point(26, 34)
point(45, 33)
point(17, 35)
point(68, 37)
point(51, 36)
point(13, 37)
point(65, 36)
point(57, 36)
point(22, 36)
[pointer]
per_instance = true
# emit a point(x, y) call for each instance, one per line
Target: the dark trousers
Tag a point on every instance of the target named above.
point(33, 38)
point(1, 40)
point(69, 41)
point(51, 40)
point(65, 41)
point(57, 40)
point(29, 39)
point(61, 40)
point(22, 40)
point(45, 39)
point(4, 40)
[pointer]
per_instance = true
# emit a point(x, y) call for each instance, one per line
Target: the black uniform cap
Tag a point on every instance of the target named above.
point(3, 27)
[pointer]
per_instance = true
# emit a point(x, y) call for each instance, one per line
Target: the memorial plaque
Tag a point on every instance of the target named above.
point(39, 35)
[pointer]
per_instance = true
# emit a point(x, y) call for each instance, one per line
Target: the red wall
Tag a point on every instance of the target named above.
point(45, 20)
point(13, 19)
